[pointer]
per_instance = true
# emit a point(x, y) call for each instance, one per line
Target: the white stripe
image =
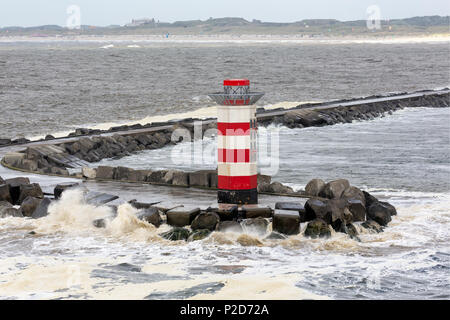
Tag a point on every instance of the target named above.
point(236, 114)
point(237, 169)
point(233, 142)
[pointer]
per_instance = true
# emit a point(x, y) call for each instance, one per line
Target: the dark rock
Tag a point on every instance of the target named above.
point(30, 190)
point(314, 187)
point(5, 194)
point(122, 173)
point(138, 175)
point(181, 217)
point(176, 234)
point(277, 187)
point(391, 208)
point(340, 214)
point(151, 215)
point(292, 206)
point(42, 209)
point(226, 213)
point(263, 179)
point(180, 179)
point(5, 142)
point(372, 225)
point(199, 235)
point(10, 212)
point(286, 222)
point(257, 226)
point(354, 193)
point(60, 188)
point(230, 226)
point(14, 187)
point(105, 172)
point(317, 209)
point(255, 212)
point(2, 181)
point(380, 212)
point(200, 178)
point(205, 220)
point(49, 137)
point(334, 189)
point(369, 199)
point(275, 236)
point(99, 223)
point(317, 229)
point(157, 176)
point(29, 205)
point(357, 209)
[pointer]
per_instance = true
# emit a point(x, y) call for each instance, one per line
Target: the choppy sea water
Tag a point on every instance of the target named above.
point(48, 87)
point(402, 158)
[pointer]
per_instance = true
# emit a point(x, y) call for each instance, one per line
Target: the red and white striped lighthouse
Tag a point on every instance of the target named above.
point(237, 142)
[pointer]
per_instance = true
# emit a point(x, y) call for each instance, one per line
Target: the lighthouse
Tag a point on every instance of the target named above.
point(237, 142)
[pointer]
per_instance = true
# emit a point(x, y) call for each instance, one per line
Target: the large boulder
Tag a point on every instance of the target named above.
point(255, 212)
point(14, 187)
point(60, 188)
point(358, 210)
point(181, 217)
point(314, 187)
point(14, 158)
point(30, 190)
point(105, 172)
point(317, 209)
point(42, 209)
point(256, 226)
point(277, 187)
point(122, 173)
point(10, 212)
point(5, 194)
point(354, 193)
point(29, 205)
point(286, 222)
point(138, 175)
point(176, 234)
point(340, 214)
point(380, 212)
point(317, 229)
point(157, 176)
point(205, 220)
point(369, 199)
point(151, 215)
point(200, 178)
point(89, 173)
point(180, 178)
point(334, 189)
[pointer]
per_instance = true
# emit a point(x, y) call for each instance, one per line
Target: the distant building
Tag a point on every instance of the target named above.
point(141, 22)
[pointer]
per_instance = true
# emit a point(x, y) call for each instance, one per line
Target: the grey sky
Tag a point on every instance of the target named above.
point(106, 12)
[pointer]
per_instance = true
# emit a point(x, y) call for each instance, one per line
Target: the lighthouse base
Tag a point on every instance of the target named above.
point(239, 197)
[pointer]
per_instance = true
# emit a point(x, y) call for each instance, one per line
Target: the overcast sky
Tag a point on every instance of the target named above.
point(107, 12)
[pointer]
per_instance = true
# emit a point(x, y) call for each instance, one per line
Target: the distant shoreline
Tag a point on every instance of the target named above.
point(230, 38)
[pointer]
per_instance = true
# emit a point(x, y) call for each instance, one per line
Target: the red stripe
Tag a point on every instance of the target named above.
point(234, 155)
point(236, 102)
point(233, 129)
point(236, 82)
point(237, 183)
